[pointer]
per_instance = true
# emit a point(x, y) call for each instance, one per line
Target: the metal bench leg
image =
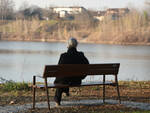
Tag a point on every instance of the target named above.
point(47, 94)
point(103, 88)
point(117, 87)
point(34, 89)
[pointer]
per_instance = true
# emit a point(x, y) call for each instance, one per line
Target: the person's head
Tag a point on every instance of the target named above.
point(72, 43)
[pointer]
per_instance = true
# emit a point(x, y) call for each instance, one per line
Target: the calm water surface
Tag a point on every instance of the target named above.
point(19, 61)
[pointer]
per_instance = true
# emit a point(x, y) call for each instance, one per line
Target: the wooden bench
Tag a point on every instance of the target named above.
point(69, 70)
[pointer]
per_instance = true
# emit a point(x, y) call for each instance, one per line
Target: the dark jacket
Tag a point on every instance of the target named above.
point(72, 56)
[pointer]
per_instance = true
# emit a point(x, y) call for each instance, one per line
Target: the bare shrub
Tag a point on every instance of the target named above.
point(130, 28)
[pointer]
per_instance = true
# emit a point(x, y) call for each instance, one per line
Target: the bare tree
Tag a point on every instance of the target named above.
point(6, 9)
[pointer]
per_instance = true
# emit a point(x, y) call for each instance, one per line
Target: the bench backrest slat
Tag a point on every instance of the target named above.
point(69, 70)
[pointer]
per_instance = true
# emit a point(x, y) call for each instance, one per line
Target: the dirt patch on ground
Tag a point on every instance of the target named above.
point(129, 91)
point(106, 108)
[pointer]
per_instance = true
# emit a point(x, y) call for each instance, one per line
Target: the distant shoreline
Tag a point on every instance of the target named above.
point(81, 41)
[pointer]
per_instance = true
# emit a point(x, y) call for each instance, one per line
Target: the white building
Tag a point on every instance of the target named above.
point(64, 11)
point(100, 18)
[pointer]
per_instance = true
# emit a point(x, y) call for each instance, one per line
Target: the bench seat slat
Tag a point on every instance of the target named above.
point(83, 84)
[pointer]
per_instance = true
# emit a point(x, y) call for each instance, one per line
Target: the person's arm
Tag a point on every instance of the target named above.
point(85, 60)
point(61, 59)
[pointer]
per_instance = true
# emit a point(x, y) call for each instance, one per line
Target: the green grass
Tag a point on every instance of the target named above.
point(14, 86)
point(139, 112)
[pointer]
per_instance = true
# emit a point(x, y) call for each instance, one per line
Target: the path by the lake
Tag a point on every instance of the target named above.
point(19, 108)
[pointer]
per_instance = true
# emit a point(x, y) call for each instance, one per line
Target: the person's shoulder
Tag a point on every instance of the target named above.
point(81, 53)
point(63, 54)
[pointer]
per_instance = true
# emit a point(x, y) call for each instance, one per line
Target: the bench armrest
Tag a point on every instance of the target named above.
point(34, 80)
point(38, 76)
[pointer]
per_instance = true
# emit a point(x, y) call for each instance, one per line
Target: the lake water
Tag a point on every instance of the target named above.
point(19, 61)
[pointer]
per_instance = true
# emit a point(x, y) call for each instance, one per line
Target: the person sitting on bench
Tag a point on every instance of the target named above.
point(72, 56)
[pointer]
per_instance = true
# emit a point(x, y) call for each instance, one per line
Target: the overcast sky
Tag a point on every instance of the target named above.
point(90, 4)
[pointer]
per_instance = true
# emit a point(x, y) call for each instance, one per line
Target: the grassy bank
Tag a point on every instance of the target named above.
point(130, 90)
point(132, 28)
point(13, 86)
point(9, 85)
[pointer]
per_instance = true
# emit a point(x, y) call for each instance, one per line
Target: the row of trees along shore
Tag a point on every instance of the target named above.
point(28, 25)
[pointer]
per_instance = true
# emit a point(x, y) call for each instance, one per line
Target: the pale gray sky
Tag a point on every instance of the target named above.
point(92, 4)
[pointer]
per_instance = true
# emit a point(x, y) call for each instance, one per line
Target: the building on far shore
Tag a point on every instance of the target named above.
point(120, 11)
point(115, 13)
point(100, 15)
point(65, 11)
point(69, 12)
point(112, 13)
